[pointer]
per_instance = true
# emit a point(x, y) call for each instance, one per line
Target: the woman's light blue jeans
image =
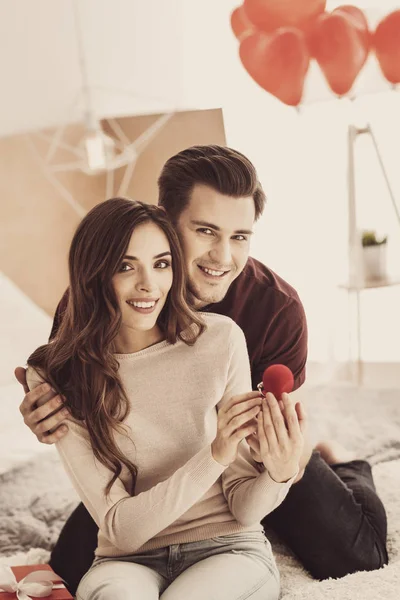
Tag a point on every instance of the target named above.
point(230, 567)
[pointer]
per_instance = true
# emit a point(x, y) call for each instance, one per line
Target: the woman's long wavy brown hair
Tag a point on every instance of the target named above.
point(79, 361)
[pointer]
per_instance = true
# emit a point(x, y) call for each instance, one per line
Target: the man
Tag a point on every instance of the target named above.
point(332, 518)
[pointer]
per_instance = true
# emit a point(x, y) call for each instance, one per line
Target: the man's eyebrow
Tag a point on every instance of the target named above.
point(156, 256)
point(216, 228)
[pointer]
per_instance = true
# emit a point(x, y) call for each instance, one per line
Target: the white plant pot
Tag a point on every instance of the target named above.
point(374, 262)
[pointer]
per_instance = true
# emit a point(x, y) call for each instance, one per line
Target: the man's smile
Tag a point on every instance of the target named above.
point(213, 273)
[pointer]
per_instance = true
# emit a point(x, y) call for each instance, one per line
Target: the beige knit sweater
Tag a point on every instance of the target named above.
point(182, 494)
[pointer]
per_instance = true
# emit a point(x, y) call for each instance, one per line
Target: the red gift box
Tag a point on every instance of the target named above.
point(59, 591)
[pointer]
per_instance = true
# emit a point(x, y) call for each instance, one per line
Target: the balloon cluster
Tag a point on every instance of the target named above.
point(279, 38)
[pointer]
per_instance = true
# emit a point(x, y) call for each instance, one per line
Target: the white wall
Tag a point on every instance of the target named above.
point(142, 56)
point(24, 327)
point(38, 63)
point(129, 45)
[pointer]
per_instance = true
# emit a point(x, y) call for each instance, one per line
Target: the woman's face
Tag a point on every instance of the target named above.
point(144, 279)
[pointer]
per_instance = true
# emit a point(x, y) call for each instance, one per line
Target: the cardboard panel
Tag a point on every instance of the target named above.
point(37, 223)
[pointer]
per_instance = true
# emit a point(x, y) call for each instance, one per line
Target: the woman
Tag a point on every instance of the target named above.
point(160, 410)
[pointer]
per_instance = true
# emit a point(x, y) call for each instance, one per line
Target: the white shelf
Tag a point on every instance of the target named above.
point(356, 282)
point(371, 284)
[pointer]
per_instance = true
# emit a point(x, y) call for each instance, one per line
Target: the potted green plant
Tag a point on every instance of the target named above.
point(374, 255)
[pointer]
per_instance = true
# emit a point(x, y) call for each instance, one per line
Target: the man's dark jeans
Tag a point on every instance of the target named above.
point(332, 519)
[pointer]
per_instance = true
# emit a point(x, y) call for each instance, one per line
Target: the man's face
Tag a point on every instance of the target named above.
point(215, 232)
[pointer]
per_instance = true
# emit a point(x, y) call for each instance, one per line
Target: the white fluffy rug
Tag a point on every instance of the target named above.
point(36, 499)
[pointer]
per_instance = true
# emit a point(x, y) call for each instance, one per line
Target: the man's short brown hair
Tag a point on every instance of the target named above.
point(223, 169)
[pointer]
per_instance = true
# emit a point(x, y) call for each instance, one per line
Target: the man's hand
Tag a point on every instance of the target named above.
point(42, 410)
point(254, 442)
point(281, 440)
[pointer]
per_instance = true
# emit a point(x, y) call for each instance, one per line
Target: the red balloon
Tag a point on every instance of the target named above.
point(277, 62)
point(278, 379)
point(386, 41)
point(268, 15)
point(340, 42)
point(240, 23)
point(359, 21)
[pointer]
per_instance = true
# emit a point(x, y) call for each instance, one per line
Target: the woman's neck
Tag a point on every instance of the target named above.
point(129, 340)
